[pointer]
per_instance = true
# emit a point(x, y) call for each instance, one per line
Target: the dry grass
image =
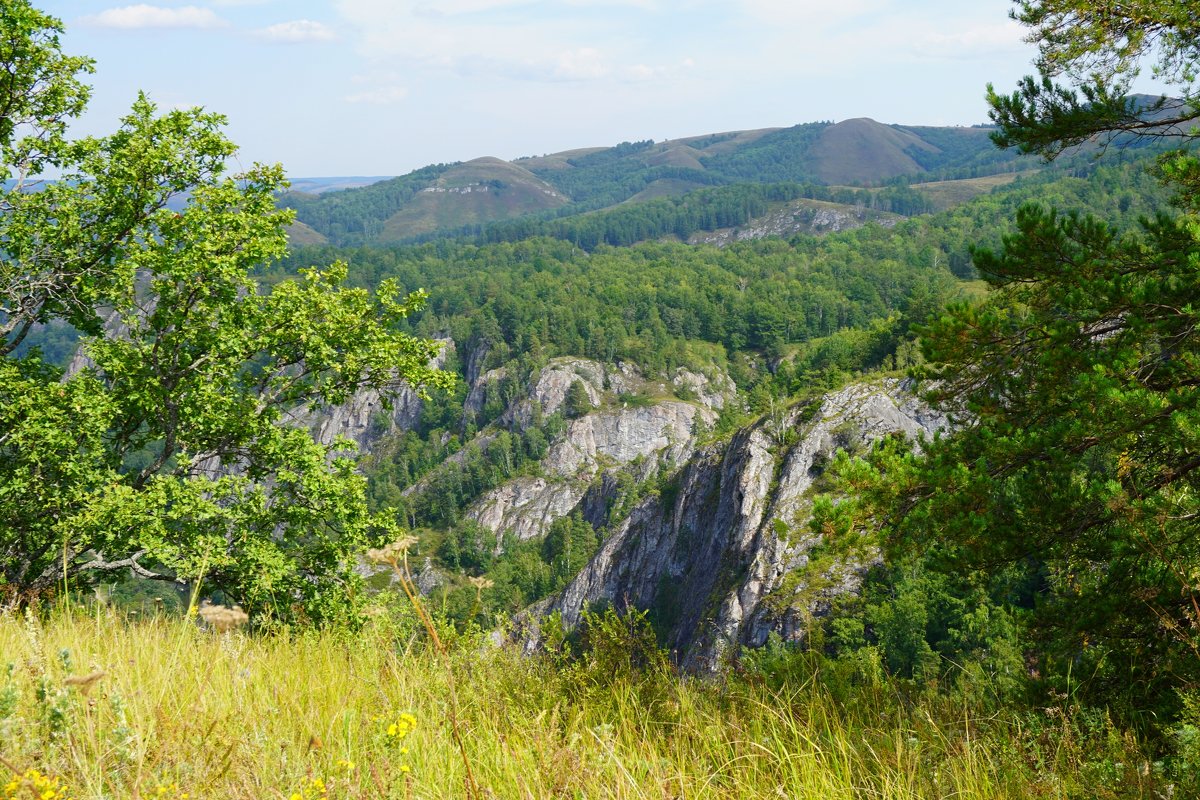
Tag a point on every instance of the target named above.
point(948, 194)
point(177, 710)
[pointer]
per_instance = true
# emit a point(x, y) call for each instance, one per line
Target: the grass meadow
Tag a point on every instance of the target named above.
point(98, 704)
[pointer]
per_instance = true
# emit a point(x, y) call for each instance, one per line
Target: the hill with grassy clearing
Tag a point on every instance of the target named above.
point(465, 198)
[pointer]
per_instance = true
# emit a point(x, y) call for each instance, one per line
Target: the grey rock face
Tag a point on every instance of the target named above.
point(555, 381)
point(798, 216)
point(665, 430)
point(526, 507)
point(479, 388)
point(661, 434)
point(607, 382)
point(712, 558)
point(364, 418)
point(616, 436)
point(713, 392)
point(550, 389)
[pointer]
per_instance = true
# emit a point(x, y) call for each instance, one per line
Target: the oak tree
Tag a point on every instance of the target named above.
point(169, 448)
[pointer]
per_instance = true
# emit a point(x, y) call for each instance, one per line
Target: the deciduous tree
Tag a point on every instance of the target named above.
point(171, 451)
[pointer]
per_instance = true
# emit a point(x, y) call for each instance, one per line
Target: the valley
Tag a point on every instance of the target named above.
point(831, 459)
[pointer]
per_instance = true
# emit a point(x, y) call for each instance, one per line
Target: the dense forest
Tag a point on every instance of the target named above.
point(785, 318)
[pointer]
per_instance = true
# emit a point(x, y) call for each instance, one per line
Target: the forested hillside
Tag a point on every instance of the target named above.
point(779, 319)
point(838, 460)
point(562, 186)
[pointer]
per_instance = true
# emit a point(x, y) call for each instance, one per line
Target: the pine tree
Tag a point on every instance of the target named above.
point(1075, 466)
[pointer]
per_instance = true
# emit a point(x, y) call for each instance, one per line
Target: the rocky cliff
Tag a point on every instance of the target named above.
point(365, 417)
point(645, 437)
point(716, 555)
point(798, 216)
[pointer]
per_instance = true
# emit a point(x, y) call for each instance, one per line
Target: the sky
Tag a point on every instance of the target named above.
point(382, 87)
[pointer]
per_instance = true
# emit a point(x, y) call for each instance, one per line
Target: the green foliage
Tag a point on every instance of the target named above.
point(1072, 472)
point(613, 191)
point(40, 91)
point(469, 547)
point(569, 545)
point(356, 216)
point(701, 210)
point(781, 154)
point(577, 403)
point(169, 454)
point(1100, 48)
point(449, 488)
point(610, 648)
point(520, 572)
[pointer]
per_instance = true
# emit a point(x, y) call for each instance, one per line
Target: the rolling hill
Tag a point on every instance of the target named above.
point(474, 193)
point(466, 198)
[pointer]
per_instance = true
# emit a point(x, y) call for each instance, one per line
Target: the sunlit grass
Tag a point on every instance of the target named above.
point(182, 711)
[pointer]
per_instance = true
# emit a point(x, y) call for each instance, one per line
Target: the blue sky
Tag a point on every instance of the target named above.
point(381, 87)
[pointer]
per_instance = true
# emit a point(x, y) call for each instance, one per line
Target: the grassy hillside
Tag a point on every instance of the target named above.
point(947, 194)
point(864, 151)
point(174, 711)
point(461, 198)
point(474, 193)
point(300, 234)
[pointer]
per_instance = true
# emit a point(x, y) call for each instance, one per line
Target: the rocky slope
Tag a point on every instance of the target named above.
point(364, 418)
point(717, 557)
point(798, 216)
point(718, 548)
point(642, 437)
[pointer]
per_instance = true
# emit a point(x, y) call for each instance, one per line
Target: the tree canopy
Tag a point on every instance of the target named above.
point(166, 448)
point(1101, 48)
point(1071, 484)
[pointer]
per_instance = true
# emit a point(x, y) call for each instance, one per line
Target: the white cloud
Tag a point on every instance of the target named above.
point(147, 16)
point(518, 39)
point(810, 14)
point(450, 8)
point(974, 42)
point(582, 64)
point(298, 30)
point(647, 72)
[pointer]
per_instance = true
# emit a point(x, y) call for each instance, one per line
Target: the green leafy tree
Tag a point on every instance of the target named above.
point(569, 545)
point(1074, 389)
point(169, 452)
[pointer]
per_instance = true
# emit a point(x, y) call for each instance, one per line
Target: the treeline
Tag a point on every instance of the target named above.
point(703, 210)
point(610, 182)
point(604, 178)
point(960, 153)
point(642, 302)
point(779, 155)
point(680, 217)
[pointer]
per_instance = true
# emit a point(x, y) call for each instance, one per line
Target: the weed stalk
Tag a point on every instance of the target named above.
point(395, 555)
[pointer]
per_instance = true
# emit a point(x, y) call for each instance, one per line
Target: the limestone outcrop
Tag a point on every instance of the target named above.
point(712, 556)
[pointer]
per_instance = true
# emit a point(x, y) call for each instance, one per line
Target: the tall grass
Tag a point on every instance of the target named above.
point(181, 711)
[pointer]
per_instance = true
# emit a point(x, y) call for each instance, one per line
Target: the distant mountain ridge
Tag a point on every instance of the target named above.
point(468, 197)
